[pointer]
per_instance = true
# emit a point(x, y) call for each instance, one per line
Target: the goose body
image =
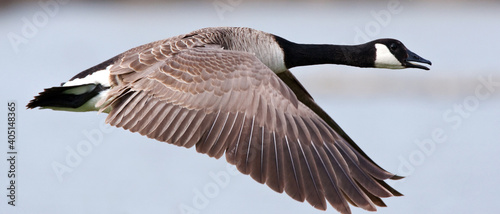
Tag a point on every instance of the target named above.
point(228, 90)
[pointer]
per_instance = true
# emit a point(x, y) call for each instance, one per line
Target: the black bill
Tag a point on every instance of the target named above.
point(413, 57)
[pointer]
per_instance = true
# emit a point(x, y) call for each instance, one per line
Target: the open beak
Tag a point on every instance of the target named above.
point(413, 57)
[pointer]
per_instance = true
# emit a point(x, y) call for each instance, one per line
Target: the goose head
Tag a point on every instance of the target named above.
point(391, 53)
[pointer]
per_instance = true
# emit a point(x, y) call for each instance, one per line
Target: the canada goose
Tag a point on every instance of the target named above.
point(228, 90)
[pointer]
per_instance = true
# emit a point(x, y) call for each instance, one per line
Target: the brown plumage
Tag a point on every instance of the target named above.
point(191, 91)
point(229, 91)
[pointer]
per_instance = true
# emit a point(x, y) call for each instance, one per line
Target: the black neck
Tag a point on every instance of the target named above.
point(308, 54)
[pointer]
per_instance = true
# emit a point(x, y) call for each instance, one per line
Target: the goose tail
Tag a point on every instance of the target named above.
point(79, 98)
point(81, 93)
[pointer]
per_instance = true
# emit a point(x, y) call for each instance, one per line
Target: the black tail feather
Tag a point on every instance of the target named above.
point(58, 97)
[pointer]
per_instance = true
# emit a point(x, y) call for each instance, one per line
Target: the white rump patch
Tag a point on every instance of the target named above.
point(385, 59)
point(98, 77)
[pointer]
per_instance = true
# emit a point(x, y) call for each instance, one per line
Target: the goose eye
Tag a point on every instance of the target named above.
point(393, 46)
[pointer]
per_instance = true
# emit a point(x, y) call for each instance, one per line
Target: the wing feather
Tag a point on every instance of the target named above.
point(274, 156)
point(293, 184)
point(186, 94)
point(329, 180)
point(218, 151)
point(314, 188)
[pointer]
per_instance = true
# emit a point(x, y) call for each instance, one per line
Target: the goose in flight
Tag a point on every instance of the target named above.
point(228, 90)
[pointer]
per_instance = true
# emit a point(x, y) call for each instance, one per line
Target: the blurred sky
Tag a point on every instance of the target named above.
point(439, 128)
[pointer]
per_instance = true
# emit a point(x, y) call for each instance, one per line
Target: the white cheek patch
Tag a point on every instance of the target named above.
point(385, 59)
point(98, 77)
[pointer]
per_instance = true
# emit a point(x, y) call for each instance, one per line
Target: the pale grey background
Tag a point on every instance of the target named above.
point(385, 111)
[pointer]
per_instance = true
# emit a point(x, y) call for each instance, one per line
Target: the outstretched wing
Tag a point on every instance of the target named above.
point(229, 102)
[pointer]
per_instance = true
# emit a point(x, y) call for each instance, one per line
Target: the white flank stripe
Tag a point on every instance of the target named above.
point(98, 77)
